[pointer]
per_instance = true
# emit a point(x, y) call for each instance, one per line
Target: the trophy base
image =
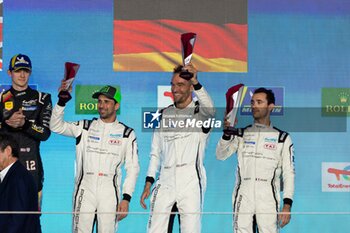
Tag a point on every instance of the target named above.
point(186, 75)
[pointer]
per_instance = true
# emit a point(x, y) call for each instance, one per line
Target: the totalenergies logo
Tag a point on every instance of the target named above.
point(345, 173)
point(336, 177)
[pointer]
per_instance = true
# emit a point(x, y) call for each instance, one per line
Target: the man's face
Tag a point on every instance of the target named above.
point(181, 90)
point(260, 107)
point(4, 158)
point(20, 79)
point(107, 108)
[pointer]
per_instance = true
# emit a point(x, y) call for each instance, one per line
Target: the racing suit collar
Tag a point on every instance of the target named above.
point(17, 93)
point(100, 121)
point(262, 126)
point(190, 105)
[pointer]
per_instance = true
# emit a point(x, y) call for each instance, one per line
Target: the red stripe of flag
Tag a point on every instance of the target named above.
point(213, 41)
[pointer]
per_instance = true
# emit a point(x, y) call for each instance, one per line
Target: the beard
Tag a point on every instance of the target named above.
point(105, 114)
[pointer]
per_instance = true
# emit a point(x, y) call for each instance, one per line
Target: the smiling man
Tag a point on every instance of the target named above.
point(177, 154)
point(25, 114)
point(103, 146)
point(264, 153)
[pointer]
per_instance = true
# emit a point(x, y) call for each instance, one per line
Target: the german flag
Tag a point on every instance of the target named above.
point(147, 34)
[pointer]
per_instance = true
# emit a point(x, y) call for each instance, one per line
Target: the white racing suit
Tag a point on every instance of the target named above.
point(264, 155)
point(179, 153)
point(101, 150)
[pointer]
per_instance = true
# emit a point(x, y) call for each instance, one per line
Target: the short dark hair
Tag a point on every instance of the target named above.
point(270, 96)
point(8, 140)
point(178, 69)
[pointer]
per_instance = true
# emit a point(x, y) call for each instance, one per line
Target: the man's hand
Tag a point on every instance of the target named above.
point(145, 194)
point(64, 93)
point(284, 218)
point(17, 119)
point(64, 86)
point(63, 98)
point(228, 129)
point(124, 209)
point(192, 69)
point(226, 123)
point(226, 126)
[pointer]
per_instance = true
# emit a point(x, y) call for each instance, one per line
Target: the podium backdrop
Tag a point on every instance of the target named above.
point(301, 49)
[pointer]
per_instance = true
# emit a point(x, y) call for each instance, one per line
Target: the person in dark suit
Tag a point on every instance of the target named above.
point(17, 191)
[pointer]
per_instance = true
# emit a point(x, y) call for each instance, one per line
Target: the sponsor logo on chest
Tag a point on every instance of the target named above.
point(115, 142)
point(94, 138)
point(249, 142)
point(270, 146)
point(271, 140)
point(8, 105)
point(115, 135)
point(29, 105)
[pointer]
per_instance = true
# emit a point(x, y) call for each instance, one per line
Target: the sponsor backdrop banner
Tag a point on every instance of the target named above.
point(336, 102)
point(164, 96)
point(4, 87)
point(300, 49)
point(248, 93)
point(84, 103)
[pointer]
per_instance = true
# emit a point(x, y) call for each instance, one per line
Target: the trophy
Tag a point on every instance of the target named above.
point(233, 101)
point(187, 42)
point(70, 71)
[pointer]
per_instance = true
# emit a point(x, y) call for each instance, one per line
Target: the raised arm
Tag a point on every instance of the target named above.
point(57, 123)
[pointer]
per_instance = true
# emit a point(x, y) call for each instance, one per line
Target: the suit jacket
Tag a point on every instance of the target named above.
point(18, 193)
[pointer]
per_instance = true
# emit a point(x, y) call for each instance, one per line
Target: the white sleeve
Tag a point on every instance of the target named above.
point(58, 125)
point(226, 147)
point(288, 168)
point(156, 151)
point(132, 167)
point(206, 104)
